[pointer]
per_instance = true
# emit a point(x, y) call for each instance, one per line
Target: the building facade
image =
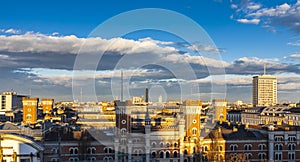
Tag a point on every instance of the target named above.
point(30, 108)
point(264, 90)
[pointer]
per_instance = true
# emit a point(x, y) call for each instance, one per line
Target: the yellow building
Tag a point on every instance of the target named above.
point(47, 105)
point(220, 108)
point(192, 112)
point(30, 107)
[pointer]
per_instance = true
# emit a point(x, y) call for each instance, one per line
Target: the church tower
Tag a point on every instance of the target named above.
point(192, 112)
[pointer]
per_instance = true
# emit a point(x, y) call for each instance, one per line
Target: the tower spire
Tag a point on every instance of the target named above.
point(265, 68)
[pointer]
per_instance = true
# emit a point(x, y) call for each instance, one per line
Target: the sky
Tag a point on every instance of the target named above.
point(192, 49)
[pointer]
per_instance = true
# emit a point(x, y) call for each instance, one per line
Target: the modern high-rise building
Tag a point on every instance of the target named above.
point(264, 92)
point(10, 101)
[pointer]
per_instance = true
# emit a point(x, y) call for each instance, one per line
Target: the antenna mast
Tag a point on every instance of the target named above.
point(121, 85)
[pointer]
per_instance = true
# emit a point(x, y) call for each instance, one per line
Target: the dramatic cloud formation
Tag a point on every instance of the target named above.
point(45, 63)
point(284, 15)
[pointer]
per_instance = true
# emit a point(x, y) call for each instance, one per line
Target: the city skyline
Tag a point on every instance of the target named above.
point(38, 48)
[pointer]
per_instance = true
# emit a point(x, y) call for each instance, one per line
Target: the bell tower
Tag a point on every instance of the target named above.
point(192, 113)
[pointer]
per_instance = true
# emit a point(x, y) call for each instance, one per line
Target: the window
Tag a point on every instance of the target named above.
point(247, 146)
point(205, 148)
point(220, 148)
point(278, 156)
point(175, 144)
point(175, 154)
point(262, 156)
point(161, 154)
point(54, 150)
point(185, 152)
point(153, 144)
point(292, 146)
point(73, 159)
point(107, 150)
point(262, 146)
point(28, 117)
point(91, 150)
point(54, 160)
point(248, 156)
point(108, 159)
point(168, 144)
point(138, 152)
point(219, 157)
point(291, 156)
point(292, 139)
point(91, 159)
point(153, 154)
point(73, 150)
point(278, 138)
point(194, 131)
point(233, 147)
point(161, 144)
point(123, 132)
point(278, 147)
point(167, 154)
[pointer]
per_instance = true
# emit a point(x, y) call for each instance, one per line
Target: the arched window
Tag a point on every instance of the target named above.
point(278, 146)
point(175, 154)
point(233, 147)
point(161, 144)
point(110, 150)
point(247, 146)
point(73, 150)
point(168, 144)
point(91, 150)
point(153, 144)
point(161, 154)
point(175, 144)
point(292, 146)
point(262, 146)
point(185, 152)
point(91, 159)
point(262, 156)
point(194, 131)
point(167, 154)
point(220, 148)
point(248, 156)
point(123, 132)
point(153, 154)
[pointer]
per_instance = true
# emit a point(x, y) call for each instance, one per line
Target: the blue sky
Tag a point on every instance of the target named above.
point(39, 40)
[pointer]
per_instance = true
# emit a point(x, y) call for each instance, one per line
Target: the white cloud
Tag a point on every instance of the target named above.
point(295, 56)
point(249, 21)
point(12, 31)
point(36, 42)
point(210, 48)
point(294, 43)
point(233, 6)
point(253, 6)
point(284, 15)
